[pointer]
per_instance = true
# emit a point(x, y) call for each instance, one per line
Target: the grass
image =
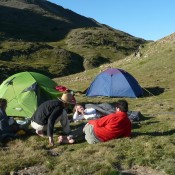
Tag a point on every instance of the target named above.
point(153, 138)
point(152, 143)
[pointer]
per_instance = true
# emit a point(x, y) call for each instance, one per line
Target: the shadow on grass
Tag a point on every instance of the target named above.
point(150, 123)
point(165, 133)
point(28, 25)
point(5, 138)
point(76, 131)
point(147, 92)
point(152, 91)
point(136, 125)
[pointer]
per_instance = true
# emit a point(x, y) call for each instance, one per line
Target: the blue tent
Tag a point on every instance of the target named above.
point(114, 83)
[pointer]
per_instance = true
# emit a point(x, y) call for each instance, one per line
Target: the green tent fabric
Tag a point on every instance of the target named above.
point(25, 91)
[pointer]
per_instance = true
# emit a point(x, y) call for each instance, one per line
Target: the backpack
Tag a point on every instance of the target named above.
point(134, 115)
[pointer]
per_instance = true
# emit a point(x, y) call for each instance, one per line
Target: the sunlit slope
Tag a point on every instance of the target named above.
point(155, 67)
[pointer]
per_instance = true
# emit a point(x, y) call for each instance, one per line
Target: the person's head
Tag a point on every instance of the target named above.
point(122, 105)
point(3, 103)
point(79, 108)
point(67, 98)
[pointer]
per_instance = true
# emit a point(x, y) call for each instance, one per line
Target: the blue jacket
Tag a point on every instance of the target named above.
point(4, 124)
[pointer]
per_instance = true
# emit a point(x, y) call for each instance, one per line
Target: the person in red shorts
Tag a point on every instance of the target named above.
point(109, 127)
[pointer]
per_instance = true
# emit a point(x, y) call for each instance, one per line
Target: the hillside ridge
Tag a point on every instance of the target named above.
point(34, 32)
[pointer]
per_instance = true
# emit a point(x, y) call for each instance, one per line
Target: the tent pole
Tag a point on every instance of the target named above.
point(148, 91)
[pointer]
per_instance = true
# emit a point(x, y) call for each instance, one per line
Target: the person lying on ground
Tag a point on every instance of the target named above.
point(80, 113)
point(49, 113)
point(109, 127)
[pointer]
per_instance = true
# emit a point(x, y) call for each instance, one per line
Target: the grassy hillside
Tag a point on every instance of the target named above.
point(36, 35)
point(150, 150)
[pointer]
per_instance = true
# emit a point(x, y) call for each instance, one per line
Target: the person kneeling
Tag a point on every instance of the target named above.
point(49, 113)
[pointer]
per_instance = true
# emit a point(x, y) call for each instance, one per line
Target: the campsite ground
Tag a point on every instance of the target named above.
point(150, 151)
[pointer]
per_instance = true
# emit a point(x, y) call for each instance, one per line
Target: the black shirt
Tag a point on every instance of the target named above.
point(47, 113)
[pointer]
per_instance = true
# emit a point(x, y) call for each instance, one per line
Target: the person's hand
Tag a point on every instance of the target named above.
point(85, 126)
point(82, 112)
point(51, 142)
point(76, 110)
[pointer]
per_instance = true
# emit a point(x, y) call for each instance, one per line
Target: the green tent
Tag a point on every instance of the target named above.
point(25, 91)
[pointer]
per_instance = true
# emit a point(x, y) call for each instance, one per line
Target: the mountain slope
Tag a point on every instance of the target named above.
point(36, 35)
point(39, 20)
